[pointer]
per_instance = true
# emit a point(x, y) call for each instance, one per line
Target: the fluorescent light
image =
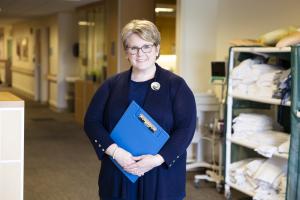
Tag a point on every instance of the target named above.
point(85, 23)
point(157, 10)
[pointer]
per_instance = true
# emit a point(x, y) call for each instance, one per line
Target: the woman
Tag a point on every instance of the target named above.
point(166, 98)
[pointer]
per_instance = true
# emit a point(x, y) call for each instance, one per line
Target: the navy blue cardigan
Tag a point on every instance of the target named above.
point(172, 106)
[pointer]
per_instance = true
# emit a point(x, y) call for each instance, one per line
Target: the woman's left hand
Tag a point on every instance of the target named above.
point(144, 164)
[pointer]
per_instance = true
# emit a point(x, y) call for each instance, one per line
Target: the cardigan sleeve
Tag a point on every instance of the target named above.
point(94, 118)
point(184, 114)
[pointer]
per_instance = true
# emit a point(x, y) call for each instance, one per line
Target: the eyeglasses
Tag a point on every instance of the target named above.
point(147, 48)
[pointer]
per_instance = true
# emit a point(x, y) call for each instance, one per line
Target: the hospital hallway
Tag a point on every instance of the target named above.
point(60, 163)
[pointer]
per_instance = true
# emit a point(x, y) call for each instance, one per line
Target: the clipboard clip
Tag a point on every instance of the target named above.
point(147, 123)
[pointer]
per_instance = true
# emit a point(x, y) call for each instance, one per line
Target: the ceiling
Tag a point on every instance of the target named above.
point(16, 10)
point(12, 11)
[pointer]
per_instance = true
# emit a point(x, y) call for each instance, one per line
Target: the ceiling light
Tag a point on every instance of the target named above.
point(85, 23)
point(157, 10)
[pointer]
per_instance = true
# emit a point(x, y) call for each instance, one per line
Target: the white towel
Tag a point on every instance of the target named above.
point(278, 182)
point(282, 185)
point(270, 137)
point(243, 69)
point(252, 118)
point(271, 169)
point(268, 78)
point(284, 147)
point(266, 150)
point(269, 194)
point(261, 91)
point(253, 166)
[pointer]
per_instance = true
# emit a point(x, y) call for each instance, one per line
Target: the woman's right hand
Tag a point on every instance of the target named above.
point(123, 157)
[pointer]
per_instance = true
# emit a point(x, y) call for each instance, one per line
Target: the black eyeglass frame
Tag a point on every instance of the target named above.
point(135, 50)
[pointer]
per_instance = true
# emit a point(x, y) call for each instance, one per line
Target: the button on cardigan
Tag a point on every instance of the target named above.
point(172, 106)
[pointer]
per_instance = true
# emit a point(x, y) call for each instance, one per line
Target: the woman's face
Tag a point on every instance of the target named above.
point(140, 53)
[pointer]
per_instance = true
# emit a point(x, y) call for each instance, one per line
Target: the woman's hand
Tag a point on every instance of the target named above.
point(144, 164)
point(123, 157)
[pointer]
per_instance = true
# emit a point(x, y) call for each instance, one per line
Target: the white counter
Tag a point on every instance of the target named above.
point(11, 146)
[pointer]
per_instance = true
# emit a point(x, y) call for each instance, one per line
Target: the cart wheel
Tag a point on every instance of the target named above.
point(197, 184)
point(219, 187)
point(228, 195)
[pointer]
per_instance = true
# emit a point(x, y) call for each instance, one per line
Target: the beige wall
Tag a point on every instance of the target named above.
point(205, 27)
point(196, 41)
point(119, 13)
point(62, 35)
point(23, 68)
point(166, 27)
point(137, 10)
point(250, 19)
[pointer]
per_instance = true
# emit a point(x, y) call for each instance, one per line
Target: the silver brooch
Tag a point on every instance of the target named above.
point(155, 86)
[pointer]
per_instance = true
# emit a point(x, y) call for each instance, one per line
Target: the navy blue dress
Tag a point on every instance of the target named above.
point(172, 106)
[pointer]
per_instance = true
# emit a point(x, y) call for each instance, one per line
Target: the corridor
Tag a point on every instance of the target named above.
point(60, 164)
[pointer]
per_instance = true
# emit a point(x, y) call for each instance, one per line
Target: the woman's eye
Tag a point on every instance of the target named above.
point(146, 47)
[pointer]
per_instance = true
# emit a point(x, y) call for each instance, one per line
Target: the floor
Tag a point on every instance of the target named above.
point(60, 163)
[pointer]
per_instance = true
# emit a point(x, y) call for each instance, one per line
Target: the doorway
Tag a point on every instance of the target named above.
point(41, 64)
point(8, 73)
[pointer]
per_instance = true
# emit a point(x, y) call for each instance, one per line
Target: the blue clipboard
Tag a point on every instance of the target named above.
point(139, 134)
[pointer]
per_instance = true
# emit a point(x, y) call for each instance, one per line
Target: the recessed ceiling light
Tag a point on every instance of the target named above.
point(157, 10)
point(85, 23)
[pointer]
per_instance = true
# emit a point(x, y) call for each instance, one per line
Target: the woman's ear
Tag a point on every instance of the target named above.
point(157, 50)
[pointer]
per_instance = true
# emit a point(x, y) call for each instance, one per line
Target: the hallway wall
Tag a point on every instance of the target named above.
point(203, 31)
point(23, 58)
point(63, 34)
point(196, 41)
point(55, 66)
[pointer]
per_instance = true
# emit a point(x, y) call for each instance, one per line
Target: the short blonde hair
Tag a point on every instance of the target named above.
point(143, 28)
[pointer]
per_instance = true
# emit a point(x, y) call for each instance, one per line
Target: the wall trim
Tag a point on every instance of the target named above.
point(20, 70)
point(52, 77)
point(23, 93)
point(4, 62)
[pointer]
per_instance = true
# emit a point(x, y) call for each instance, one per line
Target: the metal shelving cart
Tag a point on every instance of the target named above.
point(233, 97)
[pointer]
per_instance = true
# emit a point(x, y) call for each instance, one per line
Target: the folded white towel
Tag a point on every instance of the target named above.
point(262, 91)
point(267, 194)
point(260, 69)
point(266, 150)
point(243, 69)
point(240, 88)
point(278, 181)
point(284, 147)
point(268, 78)
point(271, 169)
point(253, 118)
point(282, 185)
point(253, 166)
point(270, 137)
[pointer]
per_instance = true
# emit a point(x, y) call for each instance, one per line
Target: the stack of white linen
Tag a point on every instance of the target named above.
point(253, 77)
point(256, 130)
point(249, 123)
point(269, 177)
point(266, 178)
point(284, 147)
point(270, 142)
